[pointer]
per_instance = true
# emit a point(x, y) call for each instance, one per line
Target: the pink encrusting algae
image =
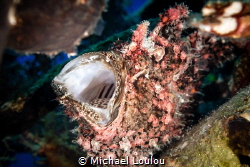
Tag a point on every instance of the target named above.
point(162, 77)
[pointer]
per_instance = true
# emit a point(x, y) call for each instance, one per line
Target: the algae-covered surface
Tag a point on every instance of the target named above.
point(210, 142)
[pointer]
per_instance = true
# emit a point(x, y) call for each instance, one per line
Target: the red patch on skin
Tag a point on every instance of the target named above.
point(166, 119)
point(166, 138)
point(163, 41)
point(138, 141)
point(176, 49)
point(155, 102)
point(174, 13)
point(122, 134)
point(84, 142)
point(106, 135)
point(183, 55)
point(151, 134)
point(154, 120)
point(113, 146)
point(163, 65)
point(104, 147)
point(130, 133)
point(140, 32)
point(110, 155)
point(163, 128)
point(144, 110)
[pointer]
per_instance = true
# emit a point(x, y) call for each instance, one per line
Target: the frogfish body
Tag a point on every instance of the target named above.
point(135, 100)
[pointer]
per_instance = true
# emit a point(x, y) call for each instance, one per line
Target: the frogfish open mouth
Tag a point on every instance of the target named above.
point(94, 82)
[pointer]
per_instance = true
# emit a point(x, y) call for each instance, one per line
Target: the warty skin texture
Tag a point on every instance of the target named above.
point(162, 74)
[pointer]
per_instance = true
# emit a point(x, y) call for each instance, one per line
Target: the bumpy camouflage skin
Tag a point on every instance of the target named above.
point(162, 76)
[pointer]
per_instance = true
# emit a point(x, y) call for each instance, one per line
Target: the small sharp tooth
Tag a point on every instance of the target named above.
point(111, 91)
point(99, 92)
point(102, 92)
point(107, 91)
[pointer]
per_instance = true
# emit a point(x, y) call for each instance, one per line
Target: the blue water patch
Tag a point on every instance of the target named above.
point(24, 160)
point(25, 59)
point(135, 5)
point(60, 58)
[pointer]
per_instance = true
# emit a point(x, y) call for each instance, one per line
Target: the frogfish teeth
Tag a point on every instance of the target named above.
point(134, 101)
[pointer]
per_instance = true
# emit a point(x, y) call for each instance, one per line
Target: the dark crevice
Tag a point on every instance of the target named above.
point(244, 160)
point(100, 96)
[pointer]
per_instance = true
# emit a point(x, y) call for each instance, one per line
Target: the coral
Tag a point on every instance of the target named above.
point(163, 74)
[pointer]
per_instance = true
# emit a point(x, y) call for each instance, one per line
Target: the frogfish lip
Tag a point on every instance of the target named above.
point(94, 81)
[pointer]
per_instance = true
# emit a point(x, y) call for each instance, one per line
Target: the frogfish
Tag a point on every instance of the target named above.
point(135, 99)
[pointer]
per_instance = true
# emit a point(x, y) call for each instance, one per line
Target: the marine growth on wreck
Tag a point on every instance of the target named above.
point(132, 101)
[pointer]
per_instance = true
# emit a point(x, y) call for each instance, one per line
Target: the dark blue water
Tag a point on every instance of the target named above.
point(24, 160)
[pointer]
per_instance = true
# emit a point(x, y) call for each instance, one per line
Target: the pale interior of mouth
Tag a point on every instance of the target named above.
point(92, 83)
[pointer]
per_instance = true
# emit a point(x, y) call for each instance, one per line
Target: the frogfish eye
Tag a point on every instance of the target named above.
point(93, 83)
